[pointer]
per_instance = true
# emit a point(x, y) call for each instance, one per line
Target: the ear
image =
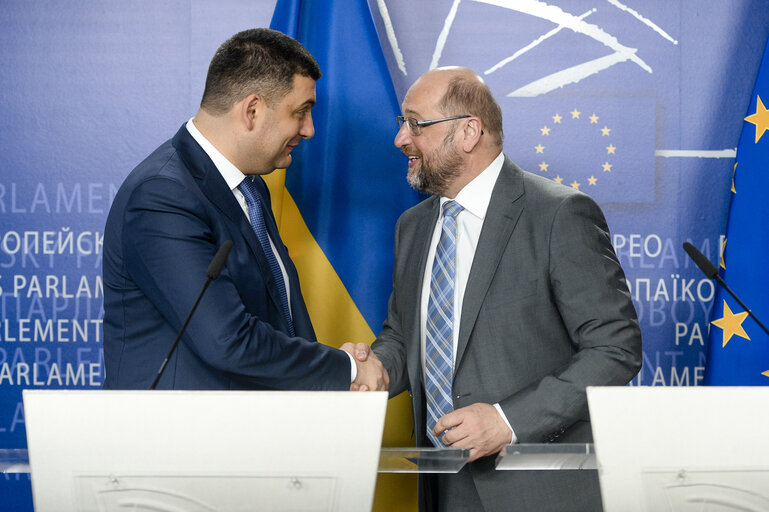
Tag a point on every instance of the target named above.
point(251, 108)
point(471, 134)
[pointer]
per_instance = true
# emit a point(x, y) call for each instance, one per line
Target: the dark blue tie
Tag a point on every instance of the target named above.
point(256, 216)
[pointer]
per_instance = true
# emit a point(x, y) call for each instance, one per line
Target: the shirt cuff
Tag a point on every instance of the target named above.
point(354, 368)
point(514, 438)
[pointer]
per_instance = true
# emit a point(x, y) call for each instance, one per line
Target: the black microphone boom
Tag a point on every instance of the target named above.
point(213, 271)
point(711, 272)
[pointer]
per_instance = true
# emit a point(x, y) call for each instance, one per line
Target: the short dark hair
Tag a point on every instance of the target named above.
point(469, 95)
point(256, 61)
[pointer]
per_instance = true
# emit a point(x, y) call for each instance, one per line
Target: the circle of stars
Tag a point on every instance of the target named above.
point(576, 115)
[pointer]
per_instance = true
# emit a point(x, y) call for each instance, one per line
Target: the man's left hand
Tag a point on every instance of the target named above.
point(478, 428)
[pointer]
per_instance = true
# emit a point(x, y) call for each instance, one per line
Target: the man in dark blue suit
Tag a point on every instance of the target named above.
point(196, 191)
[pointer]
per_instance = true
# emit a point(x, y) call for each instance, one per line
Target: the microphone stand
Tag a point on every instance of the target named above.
point(213, 271)
point(710, 271)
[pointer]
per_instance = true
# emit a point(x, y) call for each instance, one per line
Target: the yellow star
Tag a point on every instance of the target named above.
point(605, 130)
point(723, 253)
point(545, 130)
point(540, 148)
point(543, 167)
point(766, 373)
point(610, 149)
point(575, 114)
point(760, 119)
point(592, 180)
point(575, 185)
point(558, 180)
point(731, 324)
point(593, 119)
point(557, 118)
point(606, 167)
point(734, 190)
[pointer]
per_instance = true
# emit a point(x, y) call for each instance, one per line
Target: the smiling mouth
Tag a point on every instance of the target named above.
point(413, 161)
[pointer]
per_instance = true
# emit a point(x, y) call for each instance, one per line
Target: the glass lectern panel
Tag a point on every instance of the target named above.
point(546, 457)
point(14, 461)
point(422, 460)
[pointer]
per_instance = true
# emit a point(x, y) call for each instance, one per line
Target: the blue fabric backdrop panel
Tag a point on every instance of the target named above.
point(89, 88)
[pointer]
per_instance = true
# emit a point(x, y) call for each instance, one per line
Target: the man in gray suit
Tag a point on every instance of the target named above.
point(508, 300)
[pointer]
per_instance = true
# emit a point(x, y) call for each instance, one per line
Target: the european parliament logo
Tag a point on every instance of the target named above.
point(603, 147)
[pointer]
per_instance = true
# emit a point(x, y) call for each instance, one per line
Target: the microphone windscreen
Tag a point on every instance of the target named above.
point(705, 264)
point(216, 265)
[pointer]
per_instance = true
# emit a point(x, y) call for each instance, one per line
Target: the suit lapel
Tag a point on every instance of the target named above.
point(218, 192)
point(502, 215)
point(422, 236)
point(207, 175)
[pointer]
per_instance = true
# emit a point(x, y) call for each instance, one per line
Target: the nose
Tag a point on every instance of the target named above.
point(403, 137)
point(307, 130)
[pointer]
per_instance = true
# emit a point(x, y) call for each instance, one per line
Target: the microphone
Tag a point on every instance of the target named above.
point(213, 271)
point(711, 272)
point(705, 264)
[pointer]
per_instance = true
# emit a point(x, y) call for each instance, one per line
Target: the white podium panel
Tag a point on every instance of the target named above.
point(159, 451)
point(689, 449)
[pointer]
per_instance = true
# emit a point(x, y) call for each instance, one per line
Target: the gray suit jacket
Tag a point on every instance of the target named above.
point(546, 312)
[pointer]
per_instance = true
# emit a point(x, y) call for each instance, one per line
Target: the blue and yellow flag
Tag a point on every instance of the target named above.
point(344, 192)
point(738, 352)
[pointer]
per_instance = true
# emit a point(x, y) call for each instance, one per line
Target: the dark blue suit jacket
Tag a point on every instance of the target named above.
point(168, 219)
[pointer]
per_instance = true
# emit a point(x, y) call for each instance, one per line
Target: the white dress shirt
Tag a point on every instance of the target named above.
point(233, 176)
point(474, 199)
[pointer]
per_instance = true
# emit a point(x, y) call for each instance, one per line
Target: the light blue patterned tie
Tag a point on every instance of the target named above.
point(260, 229)
point(439, 342)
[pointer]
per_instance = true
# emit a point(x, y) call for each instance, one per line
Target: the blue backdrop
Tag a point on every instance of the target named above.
point(639, 103)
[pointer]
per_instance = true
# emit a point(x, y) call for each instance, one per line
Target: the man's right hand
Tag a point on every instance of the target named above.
point(372, 376)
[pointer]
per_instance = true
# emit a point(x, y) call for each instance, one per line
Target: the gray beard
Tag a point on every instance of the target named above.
point(435, 179)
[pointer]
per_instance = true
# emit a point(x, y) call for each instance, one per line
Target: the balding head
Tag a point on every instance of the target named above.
point(451, 129)
point(462, 91)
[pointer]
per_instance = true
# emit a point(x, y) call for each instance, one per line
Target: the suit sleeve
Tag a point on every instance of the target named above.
point(168, 241)
point(389, 346)
point(590, 292)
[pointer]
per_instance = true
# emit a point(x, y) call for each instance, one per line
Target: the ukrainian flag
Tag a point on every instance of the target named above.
point(738, 352)
point(338, 203)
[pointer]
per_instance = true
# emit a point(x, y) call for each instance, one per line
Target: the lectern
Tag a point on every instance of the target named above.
point(93, 451)
point(682, 449)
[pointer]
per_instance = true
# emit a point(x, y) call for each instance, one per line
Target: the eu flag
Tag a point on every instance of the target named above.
point(601, 146)
point(738, 352)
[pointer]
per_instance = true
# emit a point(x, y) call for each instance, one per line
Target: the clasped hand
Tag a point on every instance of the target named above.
point(372, 376)
point(477, 427)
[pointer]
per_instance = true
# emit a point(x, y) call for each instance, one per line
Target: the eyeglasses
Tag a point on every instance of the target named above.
point(415, 127)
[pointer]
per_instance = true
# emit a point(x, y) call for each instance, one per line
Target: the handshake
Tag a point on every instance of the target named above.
point(372, 376)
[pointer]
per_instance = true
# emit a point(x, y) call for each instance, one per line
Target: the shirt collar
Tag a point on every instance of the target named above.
point(227, 169)
point(476, 195)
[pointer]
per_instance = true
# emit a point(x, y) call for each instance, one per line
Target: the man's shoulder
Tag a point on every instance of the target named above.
point(540, 191)
point(164, 162)
point(419, 211)
point(163, 171)
point(538, 185)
